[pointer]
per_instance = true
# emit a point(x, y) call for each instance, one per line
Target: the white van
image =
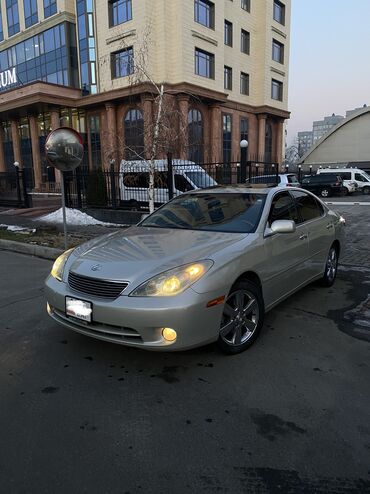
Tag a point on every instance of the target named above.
point(355, 175)
point(134, 180)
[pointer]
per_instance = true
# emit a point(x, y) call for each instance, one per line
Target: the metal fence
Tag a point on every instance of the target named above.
point(14, 187)
point(128, 188)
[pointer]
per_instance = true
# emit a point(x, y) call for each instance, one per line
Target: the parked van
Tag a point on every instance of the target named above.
point(134, 180)
point(355, 175)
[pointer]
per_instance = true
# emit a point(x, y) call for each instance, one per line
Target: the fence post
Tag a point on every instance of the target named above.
point(26, 202)
point(169, 176)
point(18, 185)
point(250, 171)
point(78, 186)
point(243, 162)
point(113, 184)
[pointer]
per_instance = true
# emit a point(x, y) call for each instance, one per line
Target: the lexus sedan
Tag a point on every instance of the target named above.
point(205, 267)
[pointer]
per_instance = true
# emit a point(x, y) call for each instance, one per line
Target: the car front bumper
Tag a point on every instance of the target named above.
point(139, 321)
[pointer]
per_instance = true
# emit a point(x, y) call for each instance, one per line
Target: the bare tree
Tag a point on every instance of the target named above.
point(166, 132)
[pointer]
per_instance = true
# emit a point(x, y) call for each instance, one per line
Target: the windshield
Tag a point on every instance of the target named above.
point(367, 176)
point(234, 213)
point(201, 179)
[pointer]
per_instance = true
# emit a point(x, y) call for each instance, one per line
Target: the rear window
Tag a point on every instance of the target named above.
point(265, 179)
point(292, 179)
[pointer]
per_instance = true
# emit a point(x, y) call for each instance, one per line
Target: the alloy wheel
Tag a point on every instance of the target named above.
point(331, 265)
point(240, 317)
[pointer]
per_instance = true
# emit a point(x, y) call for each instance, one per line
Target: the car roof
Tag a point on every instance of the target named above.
point(238, 189)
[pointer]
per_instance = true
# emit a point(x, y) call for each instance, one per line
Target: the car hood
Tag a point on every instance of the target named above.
point(142, 252)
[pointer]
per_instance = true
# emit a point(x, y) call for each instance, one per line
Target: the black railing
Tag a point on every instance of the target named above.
point(14, 188)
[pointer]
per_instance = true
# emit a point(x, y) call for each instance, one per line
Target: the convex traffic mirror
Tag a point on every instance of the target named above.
point(64, 149)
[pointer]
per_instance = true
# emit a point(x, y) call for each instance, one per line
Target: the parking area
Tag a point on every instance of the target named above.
point(289, 415)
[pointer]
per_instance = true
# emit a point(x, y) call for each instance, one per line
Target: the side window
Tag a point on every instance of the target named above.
point(360, 177)
point(160, 180)
point(345, 175)
point(307, 205)
point(137, 180)
point(283, 208)
point(182, 184)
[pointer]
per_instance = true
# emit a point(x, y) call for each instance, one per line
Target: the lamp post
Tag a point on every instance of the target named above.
point(243, 160)
point(299, 172)
point(310, 169)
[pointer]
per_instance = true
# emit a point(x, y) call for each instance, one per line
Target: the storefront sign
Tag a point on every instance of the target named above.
point(8, 77)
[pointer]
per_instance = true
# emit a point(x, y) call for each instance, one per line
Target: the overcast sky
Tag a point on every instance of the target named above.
point(329, 60)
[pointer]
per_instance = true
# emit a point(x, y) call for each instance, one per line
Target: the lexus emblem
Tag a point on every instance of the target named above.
point(96, 267)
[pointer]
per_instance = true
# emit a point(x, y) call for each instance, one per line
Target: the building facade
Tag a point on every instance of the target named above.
point(305, 141)
point(322, 127)
point(102, 66)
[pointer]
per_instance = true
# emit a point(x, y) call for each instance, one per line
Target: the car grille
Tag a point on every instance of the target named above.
point(94, 286)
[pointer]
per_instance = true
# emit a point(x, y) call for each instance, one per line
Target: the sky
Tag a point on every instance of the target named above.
point(329, 70)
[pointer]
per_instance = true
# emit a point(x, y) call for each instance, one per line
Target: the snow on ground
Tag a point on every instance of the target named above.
point(73, 217)
point(17, 229)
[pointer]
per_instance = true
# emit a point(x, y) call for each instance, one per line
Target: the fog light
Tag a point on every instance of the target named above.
point(169, 334)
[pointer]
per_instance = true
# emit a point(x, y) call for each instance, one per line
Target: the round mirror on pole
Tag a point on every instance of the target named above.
point(64, 150)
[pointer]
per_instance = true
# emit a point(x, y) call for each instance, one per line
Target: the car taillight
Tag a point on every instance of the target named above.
point(338, 183)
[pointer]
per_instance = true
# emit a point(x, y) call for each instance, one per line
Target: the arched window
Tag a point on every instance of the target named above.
point(195, 136)
point(134, 135)
point(268, 143)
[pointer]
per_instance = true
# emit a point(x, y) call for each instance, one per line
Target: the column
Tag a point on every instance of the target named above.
point(279, 139)
point(252, 137)
point(111, 133)
point(2, 154)
point(261, 136)
point(183, 101)
point(147, 106)
point(36, 158)
point(16, 142)
point(216, 134)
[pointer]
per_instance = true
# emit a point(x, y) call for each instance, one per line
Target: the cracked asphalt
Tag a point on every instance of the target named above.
point(290, 415)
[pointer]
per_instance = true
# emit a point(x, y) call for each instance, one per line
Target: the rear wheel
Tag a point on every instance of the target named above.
point(345, 191)
point(331, 267)
point(242, 318)
point(325, 192)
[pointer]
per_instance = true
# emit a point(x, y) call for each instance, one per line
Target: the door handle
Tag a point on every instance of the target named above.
point(329, 225)
point(303, 236)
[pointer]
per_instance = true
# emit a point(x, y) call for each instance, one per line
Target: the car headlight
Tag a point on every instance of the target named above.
point(174, 281)
point(58, 266)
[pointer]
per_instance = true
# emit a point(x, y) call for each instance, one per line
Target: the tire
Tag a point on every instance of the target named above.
point(242, 318)
point(325, 192)
point(345, 191)
point(134, 205)
point(366, 190)
point(331, 267)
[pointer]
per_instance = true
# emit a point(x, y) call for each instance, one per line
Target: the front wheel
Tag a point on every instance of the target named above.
point(242, 318)
point(325, 192)
point(366, 190)
point(331, 267)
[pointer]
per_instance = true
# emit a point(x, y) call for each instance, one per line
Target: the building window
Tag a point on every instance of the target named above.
point(134, 135)
point(119, 11)
point(50, 8)
point(244, 83)
point(123, 63)
point(279, 12)
point(228, 78)
point(30, 12)
point(12, 15)
point(1, 27)
point(245, 5)
point(204, 64)
point(226, 138)
point(243, 129)
point(94, 129)
point(204, 13)
point(276, 90)
point(277, 51)
point(195, 136)
point(228, 33)
point(245, 42)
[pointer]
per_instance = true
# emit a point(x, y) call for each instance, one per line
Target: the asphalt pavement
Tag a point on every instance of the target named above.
point(290, 415)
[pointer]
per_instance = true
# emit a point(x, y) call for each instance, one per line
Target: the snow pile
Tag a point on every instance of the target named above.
point(18, 229)
point(73, 217)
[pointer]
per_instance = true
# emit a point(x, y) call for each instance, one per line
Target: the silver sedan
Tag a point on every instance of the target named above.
point(204, 267)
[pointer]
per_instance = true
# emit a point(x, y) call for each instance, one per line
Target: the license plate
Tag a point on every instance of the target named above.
point(80, 309)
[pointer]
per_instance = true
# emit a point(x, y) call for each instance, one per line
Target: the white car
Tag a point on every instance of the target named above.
point(283, 180)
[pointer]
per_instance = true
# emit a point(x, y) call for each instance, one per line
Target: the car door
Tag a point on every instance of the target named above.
point(286, 254)
point(320, 230)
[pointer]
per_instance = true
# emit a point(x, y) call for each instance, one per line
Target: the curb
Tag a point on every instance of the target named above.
point(31, 249)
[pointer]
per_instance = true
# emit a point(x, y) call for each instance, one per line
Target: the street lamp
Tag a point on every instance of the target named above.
point(243, 160)
point(310, 169)
point(299, 172)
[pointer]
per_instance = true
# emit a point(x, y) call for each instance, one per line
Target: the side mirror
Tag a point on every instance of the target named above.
point(283, 226)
